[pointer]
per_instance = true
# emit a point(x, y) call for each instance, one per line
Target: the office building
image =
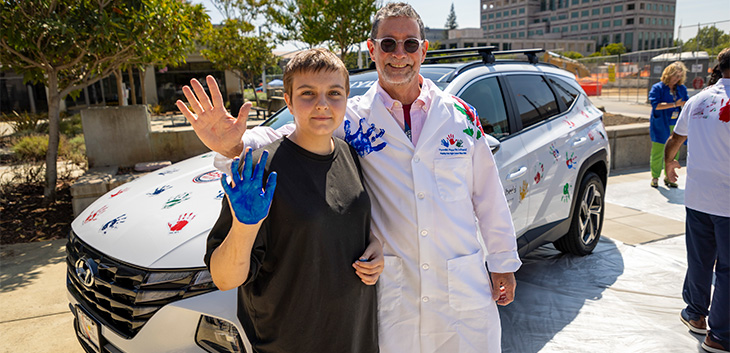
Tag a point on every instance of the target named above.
point(639, 25)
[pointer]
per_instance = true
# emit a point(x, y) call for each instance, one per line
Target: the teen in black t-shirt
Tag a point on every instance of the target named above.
point(297, 288)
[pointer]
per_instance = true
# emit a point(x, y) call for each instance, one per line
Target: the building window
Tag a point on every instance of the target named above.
point(606, 24)
point(585, 13)
point(522, 34)
point(484, 17)
point(564, 29)
point(514, 24)
point(556, 29)
point(514, 12)
point(575, 2)
point(499, 25)
point(506, 46)
point(574, 28)
point(505, 14)
point(522, 22)
point(499, 36)
point(530, 33)
point(562, 17)
point(491, 15)
point(606, 10)
point(661, 7)
point(618, 8)
point(641, 20)
point(617, 23)
point(540, 32)
point(596, 12)
point(617, 38)
point(595, 25)
point(574, 14)
point(653, 21)
point(629, 21)
point(499, 14)
point(585, 1)
point(641, 6)
point(491, 27)
point(583, 26)
point(484, 28)
point(482, 44)
point(522, 10)
point(630, 7)
point(513, 35)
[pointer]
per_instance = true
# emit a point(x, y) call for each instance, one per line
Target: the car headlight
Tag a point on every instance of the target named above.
point(216, 335)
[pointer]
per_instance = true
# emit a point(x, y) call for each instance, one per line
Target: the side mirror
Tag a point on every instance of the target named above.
point(494, 144)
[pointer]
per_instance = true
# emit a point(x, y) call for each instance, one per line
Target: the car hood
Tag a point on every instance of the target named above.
point(160, 220)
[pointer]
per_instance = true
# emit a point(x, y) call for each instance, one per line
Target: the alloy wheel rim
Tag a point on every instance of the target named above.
point(591, 207)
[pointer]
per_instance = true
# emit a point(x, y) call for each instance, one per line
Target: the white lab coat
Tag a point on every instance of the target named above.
point(434, 294)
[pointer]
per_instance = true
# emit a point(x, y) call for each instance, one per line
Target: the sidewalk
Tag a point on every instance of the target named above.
point(36, 317)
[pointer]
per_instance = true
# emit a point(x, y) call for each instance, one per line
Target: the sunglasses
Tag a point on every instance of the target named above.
point(388, 45)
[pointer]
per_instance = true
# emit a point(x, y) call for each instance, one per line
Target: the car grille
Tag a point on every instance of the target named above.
point(121, 296)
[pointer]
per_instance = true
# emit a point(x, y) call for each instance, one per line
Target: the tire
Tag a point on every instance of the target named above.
point(585, 227)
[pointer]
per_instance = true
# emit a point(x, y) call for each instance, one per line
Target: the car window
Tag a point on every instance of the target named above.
point(535, 100)
point(487, 98)
point(565, 91)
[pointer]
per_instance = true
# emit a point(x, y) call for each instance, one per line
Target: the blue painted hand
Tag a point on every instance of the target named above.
point(249, 201)
point(364, 143)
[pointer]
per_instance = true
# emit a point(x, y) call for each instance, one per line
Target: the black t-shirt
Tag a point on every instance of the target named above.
point(302, 293)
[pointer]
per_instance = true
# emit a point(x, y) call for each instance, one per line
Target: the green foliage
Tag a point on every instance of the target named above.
point(571, 54)
point(23, 122)
point(338, 23)
point(33, 148)
point(451, 19)
point(709, 39)
point(613, 49)
point(595, 54)
point(233, 47)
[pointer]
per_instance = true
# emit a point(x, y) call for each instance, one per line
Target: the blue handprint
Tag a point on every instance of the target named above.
point(250, 203)
point(445, 143)
point(363, 142)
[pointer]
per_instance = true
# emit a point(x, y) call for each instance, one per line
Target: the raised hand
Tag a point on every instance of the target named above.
point(249, 201)
point(215, 127)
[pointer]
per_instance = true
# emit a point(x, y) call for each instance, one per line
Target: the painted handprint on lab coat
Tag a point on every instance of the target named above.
point(364, 143)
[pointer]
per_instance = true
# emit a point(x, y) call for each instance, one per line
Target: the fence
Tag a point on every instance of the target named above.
point(629, 77)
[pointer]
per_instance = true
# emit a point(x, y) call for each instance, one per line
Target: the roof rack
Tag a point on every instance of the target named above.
point(487, 54)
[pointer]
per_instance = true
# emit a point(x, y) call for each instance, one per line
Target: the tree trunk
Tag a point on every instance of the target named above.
point(142, 74)
point(133, 90)
point(120, 87)
point(54, 112)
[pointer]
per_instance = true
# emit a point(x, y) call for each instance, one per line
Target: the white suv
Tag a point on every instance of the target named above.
point(136, 278)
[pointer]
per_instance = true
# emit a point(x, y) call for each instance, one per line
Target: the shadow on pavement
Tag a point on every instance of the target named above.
point(20, 264)
point(551, 290)
point(674, 196)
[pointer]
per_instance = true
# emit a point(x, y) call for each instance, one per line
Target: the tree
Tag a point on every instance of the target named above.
point(173, 33)
point(339, 23)
point(451, 19)
point(709, 39)
point(70, 44)
point(67, 45)
point(232, 46)
point(571, 54)
point(613, 49)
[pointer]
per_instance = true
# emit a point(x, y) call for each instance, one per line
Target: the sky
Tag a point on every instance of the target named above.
point(434, 12)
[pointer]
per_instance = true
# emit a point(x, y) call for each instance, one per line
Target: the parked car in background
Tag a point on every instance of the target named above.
point(136, 278)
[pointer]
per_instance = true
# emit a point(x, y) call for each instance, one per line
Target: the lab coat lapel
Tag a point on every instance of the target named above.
point(383, 119)
point(437, 115)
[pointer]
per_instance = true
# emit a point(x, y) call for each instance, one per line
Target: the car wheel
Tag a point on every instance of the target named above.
point(585, 228)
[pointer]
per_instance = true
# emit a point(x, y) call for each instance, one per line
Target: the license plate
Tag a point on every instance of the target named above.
point(88, 329)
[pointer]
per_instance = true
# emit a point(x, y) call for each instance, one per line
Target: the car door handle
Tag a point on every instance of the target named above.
point(520, 172)
point(579, 141)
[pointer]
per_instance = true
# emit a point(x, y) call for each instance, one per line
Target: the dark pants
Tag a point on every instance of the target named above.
point(708, 245)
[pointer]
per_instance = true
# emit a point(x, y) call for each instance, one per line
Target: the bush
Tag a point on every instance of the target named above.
point(69, 125)
point(23, 123)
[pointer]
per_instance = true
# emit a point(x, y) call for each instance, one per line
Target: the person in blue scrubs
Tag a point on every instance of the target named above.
point(667, 98)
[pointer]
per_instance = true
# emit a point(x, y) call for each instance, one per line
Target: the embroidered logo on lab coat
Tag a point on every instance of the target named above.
point(364, 142)
point(207, 177)
point(452, 146)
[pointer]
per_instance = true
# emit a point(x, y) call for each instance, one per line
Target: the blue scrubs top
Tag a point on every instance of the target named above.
point(661, 120)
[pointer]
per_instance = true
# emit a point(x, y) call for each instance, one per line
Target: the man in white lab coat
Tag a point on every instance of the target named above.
point(429, 172)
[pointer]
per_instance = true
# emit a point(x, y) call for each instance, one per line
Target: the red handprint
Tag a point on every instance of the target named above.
point(119, 192)
point(92, 216)
point(451, 138)
point(182, 221)
point(725, 112)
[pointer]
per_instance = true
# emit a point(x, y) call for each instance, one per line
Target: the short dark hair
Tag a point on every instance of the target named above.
point(396, 9)
point(314, 60)
point(723, 59)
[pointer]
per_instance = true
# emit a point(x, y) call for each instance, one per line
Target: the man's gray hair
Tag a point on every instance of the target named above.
point(396, 9)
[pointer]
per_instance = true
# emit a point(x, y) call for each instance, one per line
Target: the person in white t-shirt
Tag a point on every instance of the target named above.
point(705, 124)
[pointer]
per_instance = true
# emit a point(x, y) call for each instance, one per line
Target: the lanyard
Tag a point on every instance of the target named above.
point(407, 120)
